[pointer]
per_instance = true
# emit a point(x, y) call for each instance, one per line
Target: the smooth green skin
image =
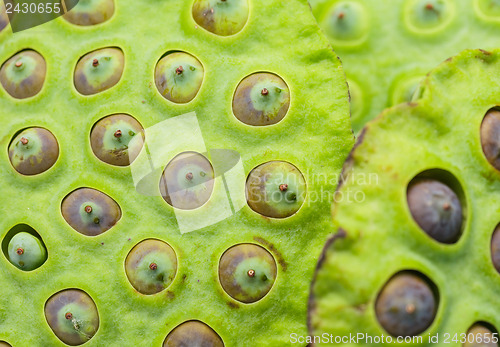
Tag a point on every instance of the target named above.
point(183, 87)
point(315, 136)
point(233, 272)
point(441, 129)
point(137, 266)
point(193, 334)
point(90, 79)
point(221, 17)
point(263, 191)
point(34, 254)
point(36, 156)
point(254, 108)
point(26, 80)
point(84, 322)
point(89, 12)
point(400, 43)
point(115, 150)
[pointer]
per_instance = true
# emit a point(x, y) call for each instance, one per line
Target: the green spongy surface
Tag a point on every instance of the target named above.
point(315, 136)
point(392, 56)
point(440, 130)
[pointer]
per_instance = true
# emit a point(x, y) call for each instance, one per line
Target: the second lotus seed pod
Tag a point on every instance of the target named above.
point(347, 23)
point(23, 75)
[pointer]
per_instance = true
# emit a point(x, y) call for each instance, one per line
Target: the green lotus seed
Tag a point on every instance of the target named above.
point(488, 9)
point(187, 181)
point(72, 315)
point(490, 137)
point(346, 23)
point(99, 70)
point(436, 209)
point(478, 334)
point(221, 17)
point(26, 251)
point(406, 306)
point(429, 16)
point(89, 211)
point(89, 12)
point(151, 266)
point(247, 272)
point(23, 74)
point(275, 189)
point(110, 138)
point(33, 151)
point(178, 77)
point(261, 99)
point(193, 334)
point(495, 248)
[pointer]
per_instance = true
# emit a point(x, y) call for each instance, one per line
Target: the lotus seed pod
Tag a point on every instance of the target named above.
point(495, 249)
point(428, 16)
point(275, 189)
point(247, 272)
point(406, 305)
point(23, 74)
point(436, 209)
point(477, 336)
point(33, 151)
point(381, 273)
point(261, 99)
point(99, 70)
point(89, 211)
point(72, 315)
point(221, 17)
point(178, 77)
point(187, 181)
point(490, 137)
point(151, 266)
point(26, 252)
point(346, 23)
point(111, 136)
point(193, 334)
point(89, 12)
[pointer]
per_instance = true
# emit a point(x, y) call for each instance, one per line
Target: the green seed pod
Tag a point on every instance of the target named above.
point(193, 334)
point(436, 209)
point(110, 138)
point(406, 306)
point(72, 315)
point(23, 74)
point(178, 77)
point(429, 16)
point(247, 272)
point(89, 12)
point(275, 189)
point(495, 248)
point(347, 23)
point(187, 181)
point(33, 151)
point(478, 334)
point(26, 251)
point(99, 70)
point(221, 17)
point(90, 211)
point(490, 137)
point(151, 266)
point(261, 99)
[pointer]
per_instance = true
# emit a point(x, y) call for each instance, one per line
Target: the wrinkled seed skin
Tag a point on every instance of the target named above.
point(427, 200)
point(391, 306)
point(244, 107)
point(193, 334)
point(75, 202)
point(43, 160)
point(230, 280)
point(490, 137)
point(480, 333)
point(100, 11)
point(29, 85)
point(54, 313)
point(121, 154)
point(135, 258)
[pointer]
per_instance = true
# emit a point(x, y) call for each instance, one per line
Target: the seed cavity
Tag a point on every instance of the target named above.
point(23, 75)
point(223, 18)
point(24, 248)
point(193, 333)
point(428, 16)
point(346, 23)
point(88, 12)
point(488, 10)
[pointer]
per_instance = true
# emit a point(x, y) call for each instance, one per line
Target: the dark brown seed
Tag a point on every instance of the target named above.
point(490, 137)
point(495, 248)
point(191, 334)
